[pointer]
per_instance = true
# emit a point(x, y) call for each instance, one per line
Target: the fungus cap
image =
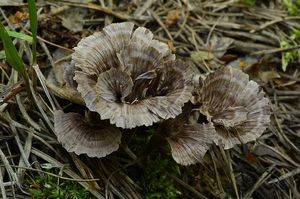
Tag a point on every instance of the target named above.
point(236, 106)
point(77, 135)
point(130, 78)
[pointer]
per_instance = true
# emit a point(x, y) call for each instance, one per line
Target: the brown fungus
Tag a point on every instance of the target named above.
point(188, 139)
point(236, 106)
point(190, 143)
point(228, 110)
point(128, 77)
point(82, 137)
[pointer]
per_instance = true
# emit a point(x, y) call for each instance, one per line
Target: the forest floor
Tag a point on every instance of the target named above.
point(262, 38)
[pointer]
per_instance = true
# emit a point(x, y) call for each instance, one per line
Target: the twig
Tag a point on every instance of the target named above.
point(186, 186)
point(119, 15)
point(25, 114)
point(259, 182)
point(156, 17)
point(285, 176)
point(140, 11)
point(3, 192)
point(269, 23)
point(52, 174)
point(276, 50)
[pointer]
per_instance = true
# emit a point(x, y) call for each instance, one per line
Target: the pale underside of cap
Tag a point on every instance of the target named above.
point(190, 143)
point(80, 137)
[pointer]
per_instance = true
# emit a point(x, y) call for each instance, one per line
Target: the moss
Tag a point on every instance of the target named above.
point(248, 2)
point(292, 7)
point(52, 187)
point(294, 55)
point(156, 182)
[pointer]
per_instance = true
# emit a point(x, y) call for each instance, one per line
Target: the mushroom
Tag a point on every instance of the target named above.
point(188, 139)
point(82, 137)
point(234, 110)
point(236, 106)
point(132, 80)
point(128, 77)
point(190, 142)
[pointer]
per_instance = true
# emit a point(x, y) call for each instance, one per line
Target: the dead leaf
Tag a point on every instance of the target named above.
point(60, 65)
point(19, 17)
point(73, 19)
point(219, 45)
point(172, 18)
point(199, 56)
point(244, 63)
point(268, 76)
point(251, 158)
point(261, 150)
point(11, 2)
point(216, 48)
point(171, 46)
point(285, 83)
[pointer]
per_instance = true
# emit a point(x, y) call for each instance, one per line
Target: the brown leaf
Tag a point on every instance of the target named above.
point(172, 18)
point(171, 46)
point(267, 76)
point(219, 45)
point(73, 19)
point(60, 65)
point(19, 17)
point(200, 56)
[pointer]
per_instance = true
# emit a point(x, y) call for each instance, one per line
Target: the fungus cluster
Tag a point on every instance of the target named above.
point(132, 80)
point(227, 109)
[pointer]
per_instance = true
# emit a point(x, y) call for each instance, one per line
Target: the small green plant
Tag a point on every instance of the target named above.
point(296, 35)
point(290, 56)
point(292, 6)
point(157, 183)
point(248, 2)
point(50, 187)
point(33, 27)
point(12, 56)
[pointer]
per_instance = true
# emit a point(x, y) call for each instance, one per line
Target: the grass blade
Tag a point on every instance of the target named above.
point(20, 36)
point(33, 27)
point(11, 52)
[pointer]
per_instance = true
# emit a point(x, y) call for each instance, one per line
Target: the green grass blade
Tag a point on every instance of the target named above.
point(11, 52)
point(20, 36)
point(33, 27)
point(2, 54)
